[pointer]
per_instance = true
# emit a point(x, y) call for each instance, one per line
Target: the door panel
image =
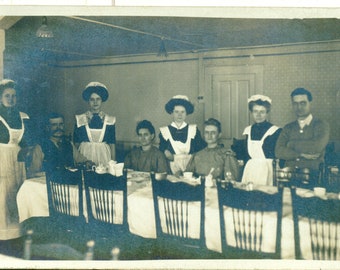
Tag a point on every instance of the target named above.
point(226, 98)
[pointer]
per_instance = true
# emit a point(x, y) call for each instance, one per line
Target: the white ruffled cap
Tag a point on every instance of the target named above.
point(260, 97)
point(181, 97)
point(6, 81)
point(181, 100)
point(94, 84)
point(95, 87)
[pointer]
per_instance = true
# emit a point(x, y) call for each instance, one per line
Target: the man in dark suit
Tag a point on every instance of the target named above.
point(55, 151)
point(302, 143)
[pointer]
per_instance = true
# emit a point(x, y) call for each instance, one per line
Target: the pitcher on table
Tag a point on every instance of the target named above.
point(179, 140)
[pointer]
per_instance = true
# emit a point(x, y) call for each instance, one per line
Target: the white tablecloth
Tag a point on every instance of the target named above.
point(141, 220)
point(32, 198)
point(32, 202)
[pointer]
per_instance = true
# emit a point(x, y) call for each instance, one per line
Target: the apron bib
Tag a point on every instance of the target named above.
point(96, 150)
point(15, 135)
point(258, 169)
point(181, 156)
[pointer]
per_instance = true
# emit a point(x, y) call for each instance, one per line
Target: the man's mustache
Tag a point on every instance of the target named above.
point(58, 130)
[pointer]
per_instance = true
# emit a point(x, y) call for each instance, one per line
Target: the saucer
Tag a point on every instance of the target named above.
point(100, 171)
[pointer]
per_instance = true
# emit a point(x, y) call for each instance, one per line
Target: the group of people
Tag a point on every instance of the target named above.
point(299, 144)
point(181, 146)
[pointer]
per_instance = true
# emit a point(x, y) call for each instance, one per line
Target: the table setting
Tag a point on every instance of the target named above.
point(320, 192)
point(32, 201)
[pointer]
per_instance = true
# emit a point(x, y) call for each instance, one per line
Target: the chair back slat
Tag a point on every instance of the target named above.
point(332, 178)
point(176, 214)
point(106, 197)
point(248, 229)
point(323, 219)
point(248, 213)
point(173, 205)
point(64, 190)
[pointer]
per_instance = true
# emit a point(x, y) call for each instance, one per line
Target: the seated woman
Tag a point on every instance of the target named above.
point(214, 159)
point(147, 157)
point(261, 138)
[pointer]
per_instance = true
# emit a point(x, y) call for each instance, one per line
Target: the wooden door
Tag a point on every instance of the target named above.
point(227, 90)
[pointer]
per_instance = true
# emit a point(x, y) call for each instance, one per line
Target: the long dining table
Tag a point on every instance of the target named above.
point(32, 202)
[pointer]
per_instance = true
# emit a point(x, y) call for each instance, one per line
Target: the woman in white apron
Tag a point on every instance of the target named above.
point(12, 172)
point(180, 140)
point(95, 132)
point(260, 143)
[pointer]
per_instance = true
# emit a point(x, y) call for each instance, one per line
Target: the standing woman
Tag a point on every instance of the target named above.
point(261, 138)
point(179, 140)
point(95, 131)
point(12, 172)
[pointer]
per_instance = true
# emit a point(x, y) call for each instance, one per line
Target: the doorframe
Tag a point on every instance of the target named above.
point(206, 94)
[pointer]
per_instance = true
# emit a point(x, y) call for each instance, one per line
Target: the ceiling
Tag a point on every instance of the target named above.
point(86, 38)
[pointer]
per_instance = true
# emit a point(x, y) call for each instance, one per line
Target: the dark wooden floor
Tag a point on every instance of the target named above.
point(49, 244)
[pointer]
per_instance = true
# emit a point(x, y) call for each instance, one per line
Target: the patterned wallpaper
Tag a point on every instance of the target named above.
point(140, 90)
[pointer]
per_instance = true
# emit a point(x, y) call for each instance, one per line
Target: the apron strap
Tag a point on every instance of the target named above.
point(269, 132)
point(21, 130)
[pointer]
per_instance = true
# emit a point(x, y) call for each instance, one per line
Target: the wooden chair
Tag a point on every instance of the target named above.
point(248, 222)
point(53, 251)
point(65, 200)
point(299, 177)
point(281, 176)
point(323, 220)
point(174, 203)
point(332, 178)
point(106, 199)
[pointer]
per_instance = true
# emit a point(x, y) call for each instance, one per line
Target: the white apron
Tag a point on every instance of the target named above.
point(258, 169)
point(96, 150)
point(12, 175)
point(181, 156)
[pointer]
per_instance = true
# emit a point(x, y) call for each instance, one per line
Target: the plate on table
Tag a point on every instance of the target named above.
point(306, 193)
point(191, 181)
point(71, 169)
point(135, 176)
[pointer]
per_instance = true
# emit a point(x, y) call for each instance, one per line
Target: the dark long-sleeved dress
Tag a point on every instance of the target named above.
point(146, 161)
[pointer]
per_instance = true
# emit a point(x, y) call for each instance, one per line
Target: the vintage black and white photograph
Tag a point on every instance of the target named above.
point(169, 139)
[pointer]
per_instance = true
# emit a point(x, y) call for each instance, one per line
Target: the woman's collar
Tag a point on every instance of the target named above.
point(89, 115)
point(183, 125)
point(264, 123)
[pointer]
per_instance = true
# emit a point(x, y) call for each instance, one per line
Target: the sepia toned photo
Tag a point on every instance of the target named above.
point(145, 139)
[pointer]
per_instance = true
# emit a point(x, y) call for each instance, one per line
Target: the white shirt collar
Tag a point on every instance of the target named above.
point(306, 121)
point(184, 124)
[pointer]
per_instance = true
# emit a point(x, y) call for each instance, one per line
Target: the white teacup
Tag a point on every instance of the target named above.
point(160, 176)
point(188, 175)
point(319, 191)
